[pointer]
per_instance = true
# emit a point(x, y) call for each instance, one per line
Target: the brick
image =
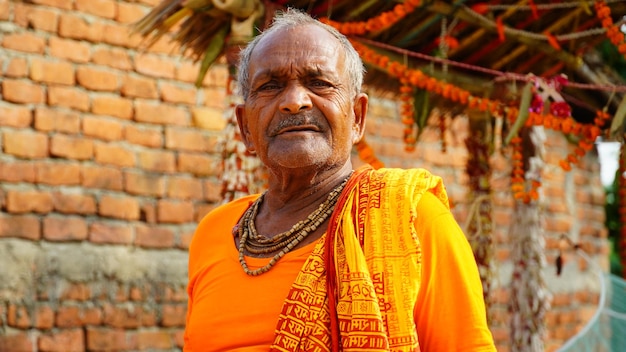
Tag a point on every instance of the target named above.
point(154, 66)
point(153, 237)
point(160, 114)
point(185, 240)
point(208, 118)
point(102, 128)
point(187, 71)
point(148, 318)
point(61, 4)
point(97, 79)
point(16, 341)
point(164, 45)
point(101, 8)
point(158, 339)
point(173, 294)
point(102, 177)
point(121, 35)
point(18, 316)
point(57, 120)
point(186, 139)
point(179, 338)
point(126, 208)
point(114, 154)
point(16, 68)
point(121, 317)
point(121, 294)
point(173, 315)
point(217, 76)
point(53, 173)
point(212, 191)
point(22, 92)
point(74, 27)
point(184, 188)
point(100, 232)
point(129, 13)
point(41, 19)
point(157, 160)
point(62, 341)
point(92, 316)
point(215, 97)
point(69, 147)
point(17, 171)
point(64, 228)
point(15, 116)
point(28, 202)
point(68, 317)
point(20, 226)
point(139, 87)
point(557, 224)
point(148, 136)
point(4, 15)
point(44, 317)
point(144, 184)
point(57, 72)
point(198, 164)
point(176, 93)
point(25, 42)
point(25, 144)
point(148, 213)
point(112, 105)
point(75, 292)
point(149, 2)
point(201, 210)
point(70, 97)
point(105, 339)
point(175, 212)
point(112, 57)
point(67, 203)
point(69, 49)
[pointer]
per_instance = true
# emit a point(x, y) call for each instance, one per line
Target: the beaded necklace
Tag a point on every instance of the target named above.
point(253, 243)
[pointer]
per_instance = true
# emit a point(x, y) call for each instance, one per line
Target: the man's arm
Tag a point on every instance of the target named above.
point(450, 312)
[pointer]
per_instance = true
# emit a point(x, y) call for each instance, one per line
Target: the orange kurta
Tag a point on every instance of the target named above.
point(229, 310)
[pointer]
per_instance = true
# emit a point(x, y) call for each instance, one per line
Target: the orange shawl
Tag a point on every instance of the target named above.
point(358, 288)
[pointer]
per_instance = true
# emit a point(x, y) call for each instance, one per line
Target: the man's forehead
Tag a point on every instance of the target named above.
point(306, 37)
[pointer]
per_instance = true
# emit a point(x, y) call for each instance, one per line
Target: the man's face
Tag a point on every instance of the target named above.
point(301, 111)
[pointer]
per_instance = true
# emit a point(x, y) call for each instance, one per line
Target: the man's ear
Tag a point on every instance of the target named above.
point(360, 111)
point(242, 122)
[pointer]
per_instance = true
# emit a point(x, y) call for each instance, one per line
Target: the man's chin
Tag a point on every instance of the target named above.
point(298, 158)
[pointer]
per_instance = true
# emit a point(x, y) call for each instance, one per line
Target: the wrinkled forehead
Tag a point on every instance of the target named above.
point(293, 42)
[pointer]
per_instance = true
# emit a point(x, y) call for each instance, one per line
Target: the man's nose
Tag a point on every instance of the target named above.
point(295, 98)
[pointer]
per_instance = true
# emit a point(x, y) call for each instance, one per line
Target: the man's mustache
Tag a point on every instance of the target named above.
point(292, 121)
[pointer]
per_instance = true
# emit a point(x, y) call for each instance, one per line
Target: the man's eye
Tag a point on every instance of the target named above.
point(269, 86)
point(320, 84)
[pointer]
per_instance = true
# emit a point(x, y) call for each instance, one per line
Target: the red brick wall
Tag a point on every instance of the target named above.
point(109, 156)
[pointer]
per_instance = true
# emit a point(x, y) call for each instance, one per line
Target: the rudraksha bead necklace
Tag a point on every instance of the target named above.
point(253, 243)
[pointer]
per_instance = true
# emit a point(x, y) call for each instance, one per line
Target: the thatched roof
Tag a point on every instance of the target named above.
point(485, 48)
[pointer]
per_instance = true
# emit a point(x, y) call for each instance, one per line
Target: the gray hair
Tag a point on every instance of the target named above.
point(295, 18)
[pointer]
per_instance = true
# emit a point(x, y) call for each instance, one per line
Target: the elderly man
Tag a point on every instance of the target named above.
point(328, 258)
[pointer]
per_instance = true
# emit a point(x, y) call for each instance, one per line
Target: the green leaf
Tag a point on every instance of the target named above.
point(212, 52)
point(421, 109)
point(527, 94)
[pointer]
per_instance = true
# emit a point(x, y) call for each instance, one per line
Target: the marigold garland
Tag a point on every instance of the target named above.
point(407, 111)
point(366, 153)
point(378, 23)
point(411, 78)
point(615, 35)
